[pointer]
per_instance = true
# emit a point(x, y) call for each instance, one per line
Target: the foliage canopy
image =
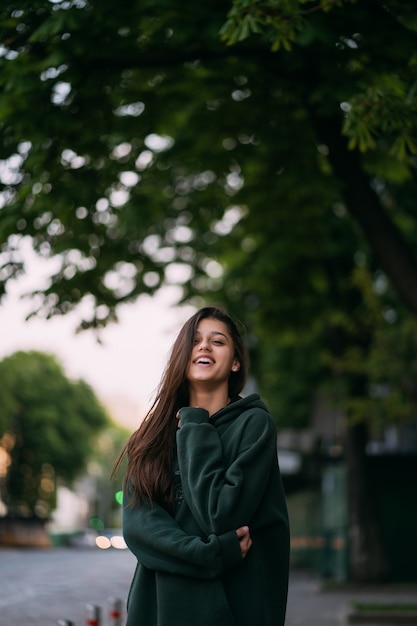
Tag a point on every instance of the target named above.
point(135, 139)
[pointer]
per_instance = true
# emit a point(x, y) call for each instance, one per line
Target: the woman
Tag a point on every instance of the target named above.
point(204, 509)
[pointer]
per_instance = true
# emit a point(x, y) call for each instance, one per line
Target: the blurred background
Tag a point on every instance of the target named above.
point(156, 156)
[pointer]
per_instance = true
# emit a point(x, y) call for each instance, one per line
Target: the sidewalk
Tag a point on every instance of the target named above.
point(311, 603)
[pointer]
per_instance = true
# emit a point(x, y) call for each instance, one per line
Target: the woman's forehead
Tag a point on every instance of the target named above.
point(212, 326)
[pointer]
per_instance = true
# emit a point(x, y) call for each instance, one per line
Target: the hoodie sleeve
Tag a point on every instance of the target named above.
point(157, 541)
point(223, 488)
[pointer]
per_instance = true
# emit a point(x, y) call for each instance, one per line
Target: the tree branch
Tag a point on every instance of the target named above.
point(383, 236)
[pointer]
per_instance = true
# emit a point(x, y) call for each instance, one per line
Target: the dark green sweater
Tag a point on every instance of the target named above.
point(190, 569)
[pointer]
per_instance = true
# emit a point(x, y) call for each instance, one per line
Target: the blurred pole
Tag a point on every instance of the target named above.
point(115, 612)
point(93, 615)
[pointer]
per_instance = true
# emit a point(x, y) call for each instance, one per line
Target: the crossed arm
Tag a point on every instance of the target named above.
point(159, 543)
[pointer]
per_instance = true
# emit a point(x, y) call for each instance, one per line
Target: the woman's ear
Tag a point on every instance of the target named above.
point(235, 366)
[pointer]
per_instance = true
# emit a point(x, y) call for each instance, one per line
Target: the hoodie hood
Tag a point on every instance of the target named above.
point(236, 407)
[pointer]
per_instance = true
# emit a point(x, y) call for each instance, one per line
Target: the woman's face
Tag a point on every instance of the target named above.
point(213, 354)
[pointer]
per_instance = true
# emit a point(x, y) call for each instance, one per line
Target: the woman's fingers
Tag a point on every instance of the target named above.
point(244, 539)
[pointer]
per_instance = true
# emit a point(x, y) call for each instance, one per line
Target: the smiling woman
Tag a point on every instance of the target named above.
point(204, 509)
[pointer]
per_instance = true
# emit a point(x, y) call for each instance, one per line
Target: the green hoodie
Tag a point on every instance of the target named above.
point(190, 568)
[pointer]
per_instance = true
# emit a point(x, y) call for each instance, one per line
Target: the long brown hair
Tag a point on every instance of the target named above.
point(150, 448)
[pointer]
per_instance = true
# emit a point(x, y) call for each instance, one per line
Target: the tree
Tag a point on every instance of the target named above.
point(48, 425)
point(142, 148)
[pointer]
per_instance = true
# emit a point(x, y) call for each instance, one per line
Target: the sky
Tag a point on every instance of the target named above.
point(125, 368)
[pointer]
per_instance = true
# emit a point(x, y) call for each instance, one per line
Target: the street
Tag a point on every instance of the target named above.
point(41, 587)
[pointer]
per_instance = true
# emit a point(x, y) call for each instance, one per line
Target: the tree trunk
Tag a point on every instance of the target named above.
point(385, 239)
point(367, 560)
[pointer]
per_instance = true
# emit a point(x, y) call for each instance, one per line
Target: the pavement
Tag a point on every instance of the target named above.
point(41, 587)
point(316, 603)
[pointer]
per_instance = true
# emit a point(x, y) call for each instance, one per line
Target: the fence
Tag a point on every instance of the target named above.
point(93, 615)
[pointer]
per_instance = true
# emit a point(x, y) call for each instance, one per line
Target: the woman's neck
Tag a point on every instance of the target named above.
point(208, 399)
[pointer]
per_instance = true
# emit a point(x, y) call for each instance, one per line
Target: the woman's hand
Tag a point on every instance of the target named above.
point(244, 539)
